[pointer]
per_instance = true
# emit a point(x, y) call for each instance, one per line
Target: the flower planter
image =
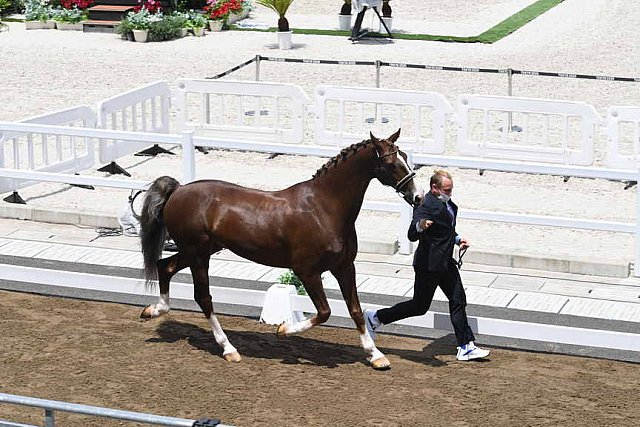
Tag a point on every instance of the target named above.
point(198, 31)
point(216, 25)
point(40, 25)
point(184, 32)
point(233, 18)
point(67, 26)
point(344, 22)
point(140, 36)
point(388, 20)
point(284, 40)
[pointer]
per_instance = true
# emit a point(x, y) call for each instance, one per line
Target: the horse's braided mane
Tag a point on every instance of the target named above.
point(343, 155)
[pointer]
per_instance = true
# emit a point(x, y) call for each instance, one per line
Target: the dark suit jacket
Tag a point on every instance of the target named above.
point(435, 247)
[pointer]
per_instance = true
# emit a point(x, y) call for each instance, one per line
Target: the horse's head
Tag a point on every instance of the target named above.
point(393, 170)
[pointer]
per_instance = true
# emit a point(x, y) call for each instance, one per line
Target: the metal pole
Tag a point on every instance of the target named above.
point(257, 68)
point(49, 419)
point(509, 93)
point(378, 66)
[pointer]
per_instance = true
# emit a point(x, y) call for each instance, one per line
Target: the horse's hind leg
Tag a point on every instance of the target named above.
point(346, 277)
point(200, 273)
point(313, 285)
point(167, 268)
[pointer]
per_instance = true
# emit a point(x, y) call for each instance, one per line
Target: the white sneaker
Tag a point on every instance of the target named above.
point(470, 351)
point(370, 322)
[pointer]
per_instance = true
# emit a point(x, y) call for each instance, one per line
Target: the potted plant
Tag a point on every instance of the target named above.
point(4, 7)
point(181, 19)
point(280, 7)
point(344, 18)
point(139, 22)
point(218, 12)
point(69, 19)
point(37, 15)
point(277, 307)
point(386, 15)
point(197, 22)
point(290, 278)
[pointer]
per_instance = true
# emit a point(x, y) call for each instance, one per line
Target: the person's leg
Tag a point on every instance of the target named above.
point(424, 286)
point(453, 289)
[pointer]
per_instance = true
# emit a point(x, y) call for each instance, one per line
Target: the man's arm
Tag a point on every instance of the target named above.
point(419, 223)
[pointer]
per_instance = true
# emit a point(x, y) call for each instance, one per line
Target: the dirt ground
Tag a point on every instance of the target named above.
point(102, 354)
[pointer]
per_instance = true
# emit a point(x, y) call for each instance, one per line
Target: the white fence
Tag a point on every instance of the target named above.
point(48, 153)
point(557, 136)
point(145, 109)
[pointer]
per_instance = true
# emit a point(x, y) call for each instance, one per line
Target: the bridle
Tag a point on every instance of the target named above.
point(404, 181)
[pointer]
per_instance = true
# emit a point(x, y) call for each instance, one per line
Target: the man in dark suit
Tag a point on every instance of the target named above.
point(434, 226)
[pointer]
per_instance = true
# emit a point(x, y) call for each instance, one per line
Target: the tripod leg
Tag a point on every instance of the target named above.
point(375, 9)
point(355, 31)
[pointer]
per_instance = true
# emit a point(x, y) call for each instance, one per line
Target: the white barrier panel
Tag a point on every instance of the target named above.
point(256, 111)
point(345, 115)
point(623, 134)
point(45, 152)
point(539, 130)
point(145, 109)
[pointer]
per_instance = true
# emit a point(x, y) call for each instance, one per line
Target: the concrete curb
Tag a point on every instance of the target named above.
point(574, 265)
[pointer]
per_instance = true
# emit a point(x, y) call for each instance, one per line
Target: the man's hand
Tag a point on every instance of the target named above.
point(464, 243)
point(425, 223)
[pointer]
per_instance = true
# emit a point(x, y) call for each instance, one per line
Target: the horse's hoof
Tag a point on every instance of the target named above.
point(233, 357)
point(281, 331)
point(381, 364)
point(147, 313)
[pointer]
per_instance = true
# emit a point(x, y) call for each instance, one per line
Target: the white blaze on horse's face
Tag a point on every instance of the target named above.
point(395, 172)
point(411, 193)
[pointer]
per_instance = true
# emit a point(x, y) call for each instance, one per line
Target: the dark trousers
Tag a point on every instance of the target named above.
point(424, 287)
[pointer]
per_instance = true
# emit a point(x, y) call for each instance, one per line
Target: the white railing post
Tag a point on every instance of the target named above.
point(188, 157)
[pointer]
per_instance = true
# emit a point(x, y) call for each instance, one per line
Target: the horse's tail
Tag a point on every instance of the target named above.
point(152, 231)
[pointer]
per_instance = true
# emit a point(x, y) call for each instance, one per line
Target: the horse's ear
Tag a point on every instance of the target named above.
point(395, 136)
point(373, 138)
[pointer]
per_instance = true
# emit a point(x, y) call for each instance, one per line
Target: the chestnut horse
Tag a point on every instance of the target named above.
point(308, 227)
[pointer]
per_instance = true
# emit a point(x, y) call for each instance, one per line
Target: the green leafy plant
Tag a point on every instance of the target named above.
point(4, 7)
point(124, 29)
point(37, 10)
point(142, 19)
point(290, 278)
point(168, 28)
point(280, 7)
point(196, 20)
point(70, 16)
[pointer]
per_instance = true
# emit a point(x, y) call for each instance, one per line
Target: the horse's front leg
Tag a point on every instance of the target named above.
point(200, 273)
point(167, 268)
point(346, 277)
point(313, 285)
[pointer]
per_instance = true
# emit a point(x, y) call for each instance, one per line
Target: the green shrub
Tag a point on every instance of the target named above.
point(290, 278)
point(166, 29)
point(5, 7)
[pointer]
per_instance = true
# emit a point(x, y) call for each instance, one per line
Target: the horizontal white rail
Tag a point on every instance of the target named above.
point(547, 220)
